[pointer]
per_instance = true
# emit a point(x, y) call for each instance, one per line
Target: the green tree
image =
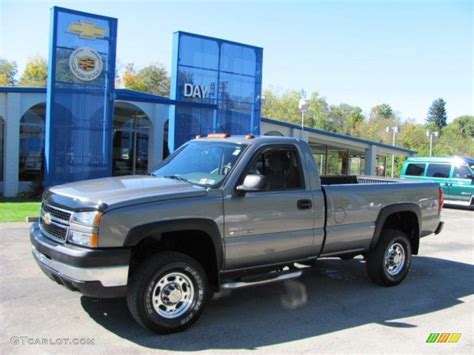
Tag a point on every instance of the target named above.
point(382, 110)
point(285, 107)
point(345, 118)
point(437, 113)
point(413, 136)
point(8, 71)
point(153, 79)
point(465, 124)
point(451, 142)
point(35, 73)
point(318, 113)
point(381, 117)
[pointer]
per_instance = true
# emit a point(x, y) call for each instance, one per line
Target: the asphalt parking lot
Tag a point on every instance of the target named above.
point(332, 308)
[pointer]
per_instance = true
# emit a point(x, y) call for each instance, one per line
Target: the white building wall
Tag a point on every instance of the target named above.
point(155, 151)
point(371, 160)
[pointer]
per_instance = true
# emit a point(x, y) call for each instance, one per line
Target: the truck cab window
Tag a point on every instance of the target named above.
point(415, 169)
point(462, 172)
point(438, 170)
point(281, 167)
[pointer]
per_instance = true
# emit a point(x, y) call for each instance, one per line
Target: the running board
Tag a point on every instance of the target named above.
point(278, 277)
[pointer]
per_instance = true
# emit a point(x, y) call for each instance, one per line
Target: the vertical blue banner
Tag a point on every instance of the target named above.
point(213, 71)
point(81, 74)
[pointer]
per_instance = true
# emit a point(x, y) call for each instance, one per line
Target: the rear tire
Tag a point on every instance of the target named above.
point(389, 262)
point(167, 292)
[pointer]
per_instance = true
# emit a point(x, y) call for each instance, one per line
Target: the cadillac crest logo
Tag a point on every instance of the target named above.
point(86, 64)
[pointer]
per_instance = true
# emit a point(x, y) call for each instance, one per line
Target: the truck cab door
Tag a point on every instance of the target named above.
point(460, 185)
point(275, 224)
point(440, 173)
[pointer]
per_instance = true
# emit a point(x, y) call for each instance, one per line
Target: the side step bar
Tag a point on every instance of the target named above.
point(272, 278)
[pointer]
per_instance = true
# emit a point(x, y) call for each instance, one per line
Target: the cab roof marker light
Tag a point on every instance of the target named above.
point(249, 136)
point(198, 136)
point(218, 135)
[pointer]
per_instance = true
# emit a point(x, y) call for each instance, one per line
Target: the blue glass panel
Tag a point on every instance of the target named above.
point(199, 52)
point(238, 59)
point(79, 106)
point(214, 71)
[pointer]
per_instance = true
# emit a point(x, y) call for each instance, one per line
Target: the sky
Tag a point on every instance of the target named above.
point(404, 53)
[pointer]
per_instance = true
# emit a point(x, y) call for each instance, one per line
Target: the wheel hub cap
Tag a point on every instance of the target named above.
point(394, 259)
point(173, 295)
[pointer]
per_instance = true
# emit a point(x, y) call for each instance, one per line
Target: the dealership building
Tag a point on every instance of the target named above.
point(82, 127)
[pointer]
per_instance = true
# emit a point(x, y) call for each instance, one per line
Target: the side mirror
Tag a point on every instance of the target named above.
point(252, 183)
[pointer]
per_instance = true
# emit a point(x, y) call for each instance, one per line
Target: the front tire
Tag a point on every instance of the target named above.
point(389, 262)
point(167, 293)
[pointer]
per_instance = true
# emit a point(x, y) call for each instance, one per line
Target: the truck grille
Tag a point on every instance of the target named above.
point(58, 225)
point(57, 213)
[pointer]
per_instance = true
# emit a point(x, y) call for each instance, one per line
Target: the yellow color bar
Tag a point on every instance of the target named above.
point(454, 338)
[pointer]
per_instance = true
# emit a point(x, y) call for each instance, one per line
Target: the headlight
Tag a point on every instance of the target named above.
point(91, 218)
point(83, 239)
point(83, 228)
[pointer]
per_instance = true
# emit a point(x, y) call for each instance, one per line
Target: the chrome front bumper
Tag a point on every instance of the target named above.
point(93, 272)
point(108, 276)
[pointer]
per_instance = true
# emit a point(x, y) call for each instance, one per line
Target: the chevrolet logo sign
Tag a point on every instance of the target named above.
point(86, 30)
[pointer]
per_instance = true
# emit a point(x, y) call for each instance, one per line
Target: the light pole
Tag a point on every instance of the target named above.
point(394, 130)
point(431, 134)
point(303, 105)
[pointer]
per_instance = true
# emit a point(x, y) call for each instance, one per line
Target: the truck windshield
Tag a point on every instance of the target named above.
point(201, 163)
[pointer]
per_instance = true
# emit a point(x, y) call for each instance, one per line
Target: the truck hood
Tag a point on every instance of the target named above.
point(115, 192)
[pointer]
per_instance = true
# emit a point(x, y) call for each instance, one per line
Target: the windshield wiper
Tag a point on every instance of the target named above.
point(176, 177)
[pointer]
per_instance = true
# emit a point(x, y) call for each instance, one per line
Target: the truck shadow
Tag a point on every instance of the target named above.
point(333, 295)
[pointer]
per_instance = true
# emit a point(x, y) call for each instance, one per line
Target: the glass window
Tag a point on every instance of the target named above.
point(281, 167)
point(462, 172)
point(438, 170)
point(201, 163)
point(130, 140)
point(415, 169)
point(32, 143)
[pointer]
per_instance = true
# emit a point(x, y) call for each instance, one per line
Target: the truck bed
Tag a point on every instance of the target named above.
point(356, 179)
point(353, 204)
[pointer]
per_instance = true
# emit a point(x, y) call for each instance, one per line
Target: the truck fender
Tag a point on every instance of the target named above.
point(389, 210)
point(136, 234)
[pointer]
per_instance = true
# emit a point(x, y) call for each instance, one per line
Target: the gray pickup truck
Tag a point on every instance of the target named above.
point(220, 213)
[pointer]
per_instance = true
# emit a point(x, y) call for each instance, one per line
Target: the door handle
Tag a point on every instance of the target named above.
point(304, 204)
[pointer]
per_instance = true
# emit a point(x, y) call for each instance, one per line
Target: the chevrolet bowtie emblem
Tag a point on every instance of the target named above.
point(86, 30)
point(47, 218)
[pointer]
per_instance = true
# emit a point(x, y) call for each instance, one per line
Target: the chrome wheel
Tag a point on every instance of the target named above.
point(394, 259)
point(173, 295)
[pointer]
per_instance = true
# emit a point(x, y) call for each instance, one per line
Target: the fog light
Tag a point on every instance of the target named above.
point(83, 239)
